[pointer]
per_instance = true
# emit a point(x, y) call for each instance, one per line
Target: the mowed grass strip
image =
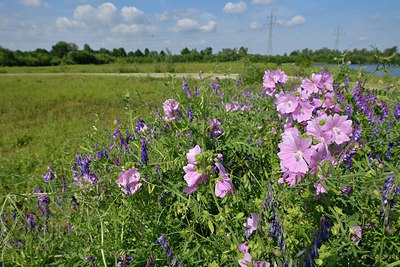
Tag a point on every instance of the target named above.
point(47, 119)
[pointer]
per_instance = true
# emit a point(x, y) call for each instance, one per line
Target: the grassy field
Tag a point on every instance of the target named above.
point(46, 119)
point(195, 67)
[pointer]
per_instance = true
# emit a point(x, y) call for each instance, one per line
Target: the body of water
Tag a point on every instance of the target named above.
point(368, 68)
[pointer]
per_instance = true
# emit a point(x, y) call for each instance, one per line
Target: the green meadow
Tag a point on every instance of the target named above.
point(45, 119)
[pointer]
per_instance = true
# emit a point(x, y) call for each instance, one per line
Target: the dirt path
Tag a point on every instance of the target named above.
point(152, 75)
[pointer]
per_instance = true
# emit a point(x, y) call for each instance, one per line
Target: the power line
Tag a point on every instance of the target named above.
point(338, 33)
point(271, 22)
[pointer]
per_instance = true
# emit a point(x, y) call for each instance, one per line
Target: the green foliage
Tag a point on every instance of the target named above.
point(97, 224)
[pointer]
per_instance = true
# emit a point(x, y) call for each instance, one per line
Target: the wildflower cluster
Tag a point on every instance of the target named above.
point(314, 130)
point(222, 174)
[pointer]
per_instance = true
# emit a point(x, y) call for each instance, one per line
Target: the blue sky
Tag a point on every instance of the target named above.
point(175, 24)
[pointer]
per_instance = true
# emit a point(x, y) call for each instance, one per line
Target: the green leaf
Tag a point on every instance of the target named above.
point(211, 226)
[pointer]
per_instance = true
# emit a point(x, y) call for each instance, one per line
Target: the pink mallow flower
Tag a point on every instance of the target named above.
point(295, 152)
point(171, 109)
point(129, 181)
point(315, 129)
point(191, 155)
point(314, 85)
point(193, 178)
point(320, 189)
point(303, 111)
point(291, 178)
point(252, 223)
point(339, 127)
point(286, 103)
point(244, 248)
point(271, 79)
point(224, 186)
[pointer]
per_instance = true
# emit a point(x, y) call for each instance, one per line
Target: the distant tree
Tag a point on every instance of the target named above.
point(185, 51)
point(390, 51)
point(87, 48)
point(146, 51)
point(206, 52)
point(62, 48)
point(7, 57)
point(81, 57)
point(104, 51)
point(243, 51)
point(138, 53)
point(118, 52)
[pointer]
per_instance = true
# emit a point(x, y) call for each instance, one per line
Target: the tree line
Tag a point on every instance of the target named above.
point(69, 53)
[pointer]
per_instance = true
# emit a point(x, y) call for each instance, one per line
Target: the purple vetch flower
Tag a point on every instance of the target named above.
point(43, 205)
point(357, 132)
point(190, 115)
point(346, 82)
point(345, 190)
point(47, 177)
point(124, 260)
point(389, 191)
point(167, 250)
point(390, 126)
point(196, 91)
point(157, 169)
point(259, 142)
point(349, 111)
point(31, 220)
point(396, 111)
point(320, 236)
point(70, 228)
point(143, 154)
point(239, 81)
point(385, 111)
point(215, 87)
point(270, 210)
point(86, 178)
point(171, 109)
point(389, 149)
point(186, 88)
point(215, 128)
point(140, 126)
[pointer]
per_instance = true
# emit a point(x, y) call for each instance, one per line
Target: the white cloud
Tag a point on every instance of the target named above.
point(132, 14)
point(164, 16)
point(232, 8)
point(192, 25)
point(255, 25)
point(133, 29)
point(186, 25)
point(211, 26)
point(63, 22)
point(262, 2)
point(296, 20)
point(104, 14)
point(34, 3)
